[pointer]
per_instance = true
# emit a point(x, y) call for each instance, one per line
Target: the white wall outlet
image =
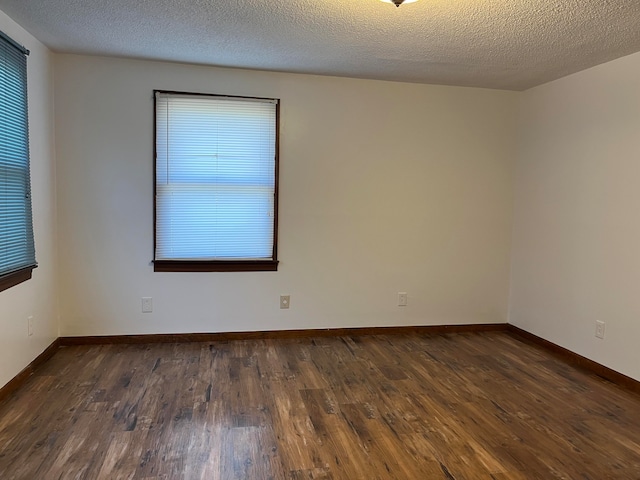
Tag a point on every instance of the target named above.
point(30, 325)
point(285, 301)
point(147, 304)
point(402, 299)
point(599, 329)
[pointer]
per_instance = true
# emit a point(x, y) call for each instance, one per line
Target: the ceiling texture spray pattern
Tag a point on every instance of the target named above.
point(505, 44)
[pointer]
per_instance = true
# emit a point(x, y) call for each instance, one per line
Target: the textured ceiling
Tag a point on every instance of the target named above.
point(508, 44)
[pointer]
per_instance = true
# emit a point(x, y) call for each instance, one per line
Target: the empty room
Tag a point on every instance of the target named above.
point(319, 239)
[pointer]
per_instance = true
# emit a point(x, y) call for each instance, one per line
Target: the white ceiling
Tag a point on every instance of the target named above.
point(507, 44)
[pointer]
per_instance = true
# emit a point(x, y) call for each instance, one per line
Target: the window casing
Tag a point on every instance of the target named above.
point(17, 250)
point(216, 188)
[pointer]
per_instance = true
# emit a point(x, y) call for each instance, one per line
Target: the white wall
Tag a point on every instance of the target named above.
point(384, 187)
point(36, 297)
point(576, 252)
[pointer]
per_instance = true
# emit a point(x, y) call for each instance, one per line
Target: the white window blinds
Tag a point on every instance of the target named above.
point(17, 251)
point(215, 178)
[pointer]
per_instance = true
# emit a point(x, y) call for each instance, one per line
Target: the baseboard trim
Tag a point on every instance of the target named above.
point(17, 381)
point(577, 360)
point(279, 334)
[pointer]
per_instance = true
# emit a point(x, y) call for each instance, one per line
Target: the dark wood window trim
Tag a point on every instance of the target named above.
point(14, 278)
point(215, 266)
point(16, 194)
point(219, 265)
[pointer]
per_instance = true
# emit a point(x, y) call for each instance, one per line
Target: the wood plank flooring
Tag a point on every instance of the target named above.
point(452, 407)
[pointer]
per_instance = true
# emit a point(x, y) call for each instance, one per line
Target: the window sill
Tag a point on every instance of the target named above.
point(14, 278)
point(215, 266)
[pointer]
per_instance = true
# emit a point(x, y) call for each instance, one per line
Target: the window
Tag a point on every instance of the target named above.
point(17, 251)
point(216, 190)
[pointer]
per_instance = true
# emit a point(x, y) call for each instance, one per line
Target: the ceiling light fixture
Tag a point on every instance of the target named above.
point(397, 3)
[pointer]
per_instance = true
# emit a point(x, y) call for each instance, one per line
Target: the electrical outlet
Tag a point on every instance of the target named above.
point(599, 329)
point(147, 304)
point(30, 325)
point(402, 299)
point(285, 301)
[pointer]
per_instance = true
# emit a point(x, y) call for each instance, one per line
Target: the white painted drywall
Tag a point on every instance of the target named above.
point(36, 297)
point(384, 188)
point(576, 251)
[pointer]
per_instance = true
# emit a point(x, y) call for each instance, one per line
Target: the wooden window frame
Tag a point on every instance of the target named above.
point(11, 279)
point(216, 265)
point(15, 278)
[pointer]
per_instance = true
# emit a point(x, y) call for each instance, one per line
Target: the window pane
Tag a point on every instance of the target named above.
point(17, 250)
point(215, 178)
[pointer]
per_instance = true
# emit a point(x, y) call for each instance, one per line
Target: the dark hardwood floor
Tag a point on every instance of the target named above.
point(454, 406)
